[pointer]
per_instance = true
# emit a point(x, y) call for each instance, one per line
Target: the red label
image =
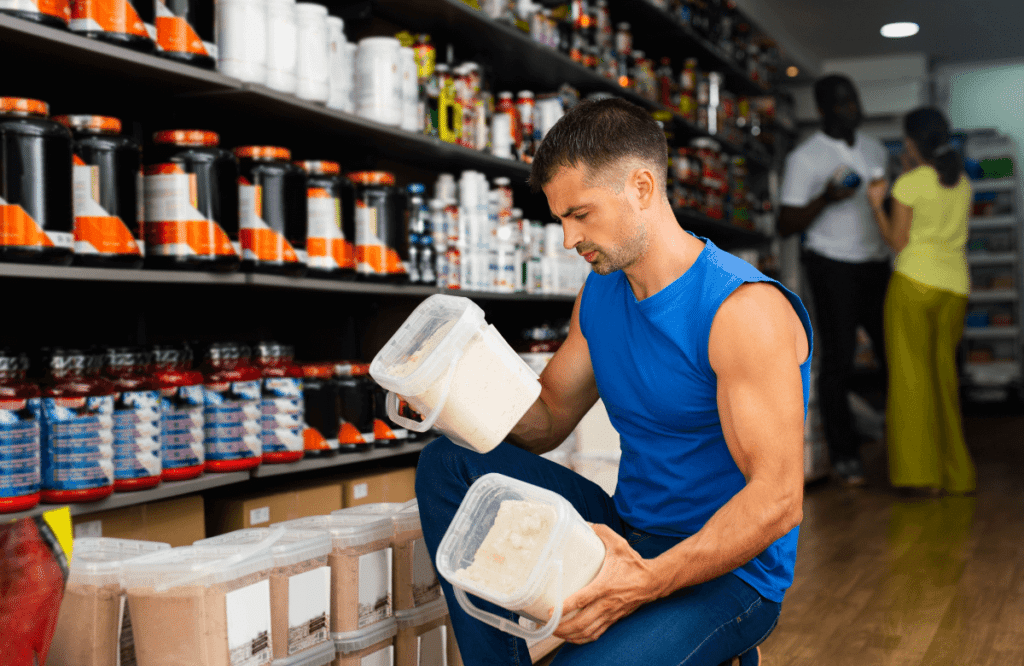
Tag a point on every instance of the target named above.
point(174, 34)
point(111, 15)
point(108, 235)
point(348, 434)
point(204, 237)
point(267, 245)
point(18, 228)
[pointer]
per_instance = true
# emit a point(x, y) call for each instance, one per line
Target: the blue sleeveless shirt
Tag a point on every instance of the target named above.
point(651, 363)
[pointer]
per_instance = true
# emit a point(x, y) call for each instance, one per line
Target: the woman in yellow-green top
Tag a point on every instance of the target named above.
point(924, 310)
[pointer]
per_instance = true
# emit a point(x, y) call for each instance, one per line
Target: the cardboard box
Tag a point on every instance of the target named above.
point(397, 485)
point(178, 521)
point(260, 510)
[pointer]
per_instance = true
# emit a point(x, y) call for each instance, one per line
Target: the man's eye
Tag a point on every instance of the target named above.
point(581, 216)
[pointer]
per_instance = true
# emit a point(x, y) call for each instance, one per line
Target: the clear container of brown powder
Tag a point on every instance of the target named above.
point(360, 562)
point(93, 627)
point(300, 587)
point(373, 646)
point(422, 638)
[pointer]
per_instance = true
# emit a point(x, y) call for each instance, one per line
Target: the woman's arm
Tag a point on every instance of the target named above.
point(895, 228)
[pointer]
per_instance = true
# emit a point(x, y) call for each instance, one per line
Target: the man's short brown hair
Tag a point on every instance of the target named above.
point(598, 134)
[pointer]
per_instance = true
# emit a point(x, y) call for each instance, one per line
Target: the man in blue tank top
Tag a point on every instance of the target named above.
point(703, 365)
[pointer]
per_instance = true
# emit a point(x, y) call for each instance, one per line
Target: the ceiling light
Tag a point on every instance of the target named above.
point(792, 71)
point(897, 30)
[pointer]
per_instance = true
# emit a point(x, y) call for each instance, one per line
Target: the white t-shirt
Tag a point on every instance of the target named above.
point(844, 231)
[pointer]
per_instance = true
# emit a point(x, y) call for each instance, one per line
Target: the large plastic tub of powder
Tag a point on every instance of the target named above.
point(93, 627)
point(373, 646)
point(300, 586)
point(414, 579)
point(457, 371)
point(360, 562)
point(521, 547)
point(201, 606)
point(422, 638)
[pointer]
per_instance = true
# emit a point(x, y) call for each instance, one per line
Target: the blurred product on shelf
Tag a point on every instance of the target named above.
point(340, 63)
point(19, 434)
point(283, 408)
point(242, 39)
point(106, 192)
point(182, 451)
point(378, 80)
point(381, 239)
point(314, 62)
point(330, 206)
point(357, 391)
point(120, 22)
point(232, 412)
point(321, 397)
point(272, 210)
point(184, 32)
point(421, 237)
point(282, 45)
point(56, 13)
point(136, 419)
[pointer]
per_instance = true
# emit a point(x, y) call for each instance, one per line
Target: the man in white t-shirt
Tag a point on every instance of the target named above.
point(847, 261)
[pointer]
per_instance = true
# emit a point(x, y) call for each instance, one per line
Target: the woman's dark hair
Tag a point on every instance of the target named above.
point(929, 130)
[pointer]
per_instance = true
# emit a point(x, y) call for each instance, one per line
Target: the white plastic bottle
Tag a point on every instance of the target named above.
point(412, 120)
point(378, 81)
point(241, 28)
point(339, 92)
point(312, 63)
point(282, 45)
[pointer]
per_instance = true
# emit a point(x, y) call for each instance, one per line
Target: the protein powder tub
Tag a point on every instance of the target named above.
point(201, 606)
point(381, 240)
point(282, 417)
point(19, 435)
point(106, 186)
point(36, 216)
point(184, 31)
point(191, 193)
point(322, 403)
point(299, 585)
point(373, 646)
point(356, 431)
point(330, 202)
point(360, 568)
point(136, 420)
point(182, 452)
point(77, 429)
point(54, 13)
point(272, 201)
point(120, 22)
point(94, 627)
point(232, 412)
point(423, 636)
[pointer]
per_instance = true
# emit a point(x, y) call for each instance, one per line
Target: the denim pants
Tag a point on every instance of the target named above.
point(703, 625)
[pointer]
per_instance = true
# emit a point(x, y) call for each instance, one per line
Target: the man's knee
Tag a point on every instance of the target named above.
point(435, 461)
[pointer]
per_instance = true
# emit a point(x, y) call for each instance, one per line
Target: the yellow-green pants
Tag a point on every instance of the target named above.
point(923, 326)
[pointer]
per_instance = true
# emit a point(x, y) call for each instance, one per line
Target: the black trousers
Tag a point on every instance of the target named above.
point(845, 295)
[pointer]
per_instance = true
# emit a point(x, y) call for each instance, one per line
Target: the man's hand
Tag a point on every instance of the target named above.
point(877, 191)
point(624, 583)
point(835, 192)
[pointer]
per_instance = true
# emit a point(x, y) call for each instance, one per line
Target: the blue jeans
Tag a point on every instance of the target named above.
point(703, 625)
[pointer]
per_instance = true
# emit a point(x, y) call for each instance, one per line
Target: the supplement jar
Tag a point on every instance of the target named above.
point(241, 27)
point(184, 31)
point(77, 429)
point(282, 406)
point(36, 215)
point(356, 431)
point(313, 68)
point(182, 453)
point(381, 239)
point(323, 409)
point(378, 80)
point(54, 13)
point(136, 419)
point(330, 231)
point(282, 45)
point(339, 92)
point(19, 435)
point(122, 22)
point(191, 193)
point(231, 388)
point(106, 192)
point(272, 201)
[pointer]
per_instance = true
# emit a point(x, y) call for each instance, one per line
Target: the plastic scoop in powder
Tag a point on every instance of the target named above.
point(458, 372)
point(521, 547)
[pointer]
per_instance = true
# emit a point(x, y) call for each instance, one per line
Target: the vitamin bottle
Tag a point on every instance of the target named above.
point(76, 429)
point(19, 435)
point(123, 22)
point(36, 216)
point(381, 239)
point(355, 431)
point(184, 31)
point(322, 403)
point(191, 192)
point(182, 453)
point(232, 411)
point(136, 419)
point(330, 206)
point(273, 218)
point(106, 192)
point(283, 406)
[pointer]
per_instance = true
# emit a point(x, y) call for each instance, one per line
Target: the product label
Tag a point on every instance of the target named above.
point(173, 33)
point(77, 443)
point(374, 587)
point(181, 427)
point(349, 434)
point(174, 226)
point(136, 434)
point(309, 603)
point(19, 447)
point(96, 230)
point(312, 440)
point(248, 625)
point(259, 241)
point(59, 8)
point(430, 646)
point(425, 586)
point(125, 637)
point(373, 257)
point(382, 657)
point(232, 420)
point(106, 16)
point(283, 417)
point(18, 228)
point(326, 243)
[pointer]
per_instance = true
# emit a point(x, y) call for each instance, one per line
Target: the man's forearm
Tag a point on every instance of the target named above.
point(794, 220)
point(535, 431)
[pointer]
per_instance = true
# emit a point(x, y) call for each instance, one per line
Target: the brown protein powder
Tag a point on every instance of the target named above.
point(422, 636)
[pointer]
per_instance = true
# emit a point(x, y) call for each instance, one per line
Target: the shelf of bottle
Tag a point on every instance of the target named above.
point(722, 233)
point(994, 185)
point(340, 459)
point(993, 295)
point(991, 258)
point(981, 222)
point(991, 332)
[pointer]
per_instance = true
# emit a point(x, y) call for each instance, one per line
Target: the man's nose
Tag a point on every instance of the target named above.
point(573, 237)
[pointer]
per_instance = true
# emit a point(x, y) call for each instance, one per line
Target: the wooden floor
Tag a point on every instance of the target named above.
point(886, 581)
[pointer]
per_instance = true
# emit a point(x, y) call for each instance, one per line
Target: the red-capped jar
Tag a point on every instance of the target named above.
point(382, 241)
point(282, 416)
point(331, 215)
point(322, 403)
point(182, 451)
point(272, 210)
point(136, 419)
point(356, 431)
point(77, 429)
point(19, 435)
point(232, 411)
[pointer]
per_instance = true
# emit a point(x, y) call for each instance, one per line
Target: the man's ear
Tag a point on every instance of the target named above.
point(646, 186)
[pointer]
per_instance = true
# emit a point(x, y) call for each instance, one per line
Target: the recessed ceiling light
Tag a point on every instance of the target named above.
point(792, 71)
point(897, 30)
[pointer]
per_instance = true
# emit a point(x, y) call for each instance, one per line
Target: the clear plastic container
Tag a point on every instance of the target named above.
point(360, 563)
point(91, 618)
point(199, 605)
point(376, 642)
point(457, 371)
point(567, 556)
point(422, 636)
point(321, 655)
point(299, 586)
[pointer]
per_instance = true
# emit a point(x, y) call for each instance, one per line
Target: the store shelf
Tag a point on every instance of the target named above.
point(991, 258)
point(87, 273)
point(723, 234)
point(991, 332)
point(338, 460)
point(994, 185)
point(997, 373)
point(165, 490)
point(345, 286)
point(993, 222)
point(993, 295)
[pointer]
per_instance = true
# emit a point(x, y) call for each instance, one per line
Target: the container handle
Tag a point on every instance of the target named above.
point(422, 426)
point(508, 626)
